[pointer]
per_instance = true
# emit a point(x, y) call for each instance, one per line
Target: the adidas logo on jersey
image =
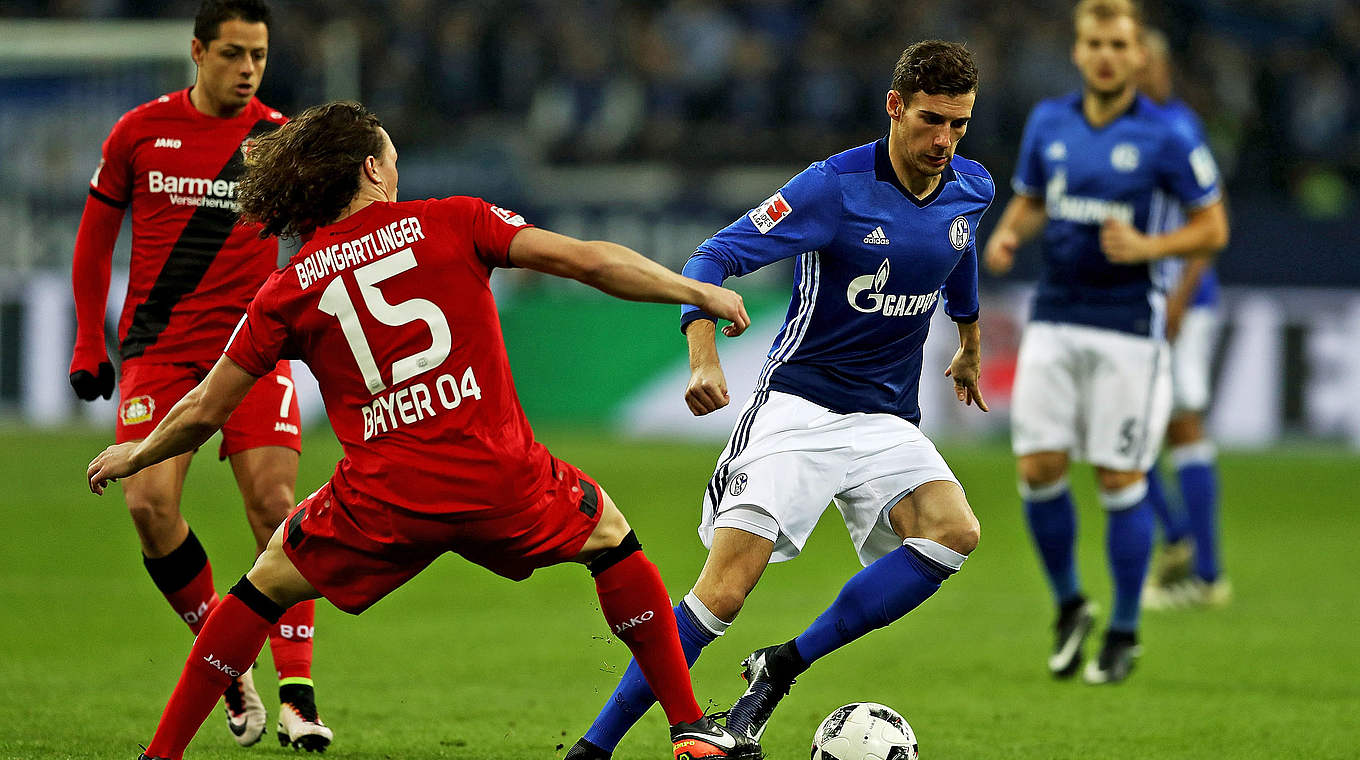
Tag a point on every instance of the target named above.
point(877, 237)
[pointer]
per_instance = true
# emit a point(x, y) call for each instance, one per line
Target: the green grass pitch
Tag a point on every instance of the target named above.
point(462, 664)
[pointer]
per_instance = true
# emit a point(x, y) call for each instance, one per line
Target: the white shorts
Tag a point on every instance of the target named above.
point(1191, 357)
point(788, 458)
point(1102, 396)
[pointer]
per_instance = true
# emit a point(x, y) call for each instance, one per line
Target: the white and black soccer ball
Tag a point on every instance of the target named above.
point(864, 731)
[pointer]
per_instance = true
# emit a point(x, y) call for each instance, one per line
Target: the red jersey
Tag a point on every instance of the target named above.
point(193, 269)
point(391, 308)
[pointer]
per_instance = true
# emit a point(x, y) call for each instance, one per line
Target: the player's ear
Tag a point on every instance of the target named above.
point(894, 106)
point(197, 50)
point(371, 170)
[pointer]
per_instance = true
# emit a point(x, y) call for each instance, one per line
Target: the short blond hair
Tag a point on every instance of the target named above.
point(1108, 9)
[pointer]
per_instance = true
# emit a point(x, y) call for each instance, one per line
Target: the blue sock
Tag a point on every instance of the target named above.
point(632, 697)
point(1128, 542)
point(1053, 524)
point(884, 591)
point(1175, 524)
point(1199, 486)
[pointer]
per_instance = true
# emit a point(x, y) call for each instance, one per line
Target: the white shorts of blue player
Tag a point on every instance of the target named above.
point(789, 458)
point(1191, 359)
point(1103, 396)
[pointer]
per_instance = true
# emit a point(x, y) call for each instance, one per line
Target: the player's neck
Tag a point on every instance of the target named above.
point(367, 196)
point(919, 185)
point(1102, 108)
point(199, 99)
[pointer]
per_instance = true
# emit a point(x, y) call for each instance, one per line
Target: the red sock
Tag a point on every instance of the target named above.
point(195, 601)
point(227, 645)
point(638, 610)
point(291, 643)
point(185, 577)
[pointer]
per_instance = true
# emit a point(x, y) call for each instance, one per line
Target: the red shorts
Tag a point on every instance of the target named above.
point(355, 552)
point(267, 416)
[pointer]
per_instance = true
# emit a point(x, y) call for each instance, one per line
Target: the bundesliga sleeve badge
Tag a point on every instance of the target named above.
point(771, 212)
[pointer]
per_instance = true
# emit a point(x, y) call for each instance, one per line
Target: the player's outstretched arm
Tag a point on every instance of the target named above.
point(91, 373)
point(966, 368)
point(623, 273)
point(1023, 218)
point(191, 422)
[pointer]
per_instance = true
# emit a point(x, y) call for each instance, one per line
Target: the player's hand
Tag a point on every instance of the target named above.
point(90, 385)
point(725, 304)
point(1122, 244)
point(115, 462)
point(966, 369)
point(999, 256)
point(707, 391)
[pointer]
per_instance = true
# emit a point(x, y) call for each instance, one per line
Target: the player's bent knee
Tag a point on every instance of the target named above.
point(607, 558)
point(964, 536)
point(1117, 480)
point(1039, 470)
point(277, 578)
point(272, 508)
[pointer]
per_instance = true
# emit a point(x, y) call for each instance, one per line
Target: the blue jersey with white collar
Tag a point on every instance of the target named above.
point(1137, 169)
point(1206, 295)
point(872, 262)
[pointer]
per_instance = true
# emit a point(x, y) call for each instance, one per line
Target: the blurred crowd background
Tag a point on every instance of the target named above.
point(714, 82)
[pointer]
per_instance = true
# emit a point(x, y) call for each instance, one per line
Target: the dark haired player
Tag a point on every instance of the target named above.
point(879, 231)
point(176, 161)
point(390, 306)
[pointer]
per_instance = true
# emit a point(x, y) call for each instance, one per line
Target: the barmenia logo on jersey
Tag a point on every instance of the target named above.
point(137, 410)
point(866, 294)
point(193, 191)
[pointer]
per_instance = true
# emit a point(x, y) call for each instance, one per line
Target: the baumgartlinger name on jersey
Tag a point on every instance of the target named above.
point(193, 191)
point(875, 301)
point(1080, 209)
point(351, 253)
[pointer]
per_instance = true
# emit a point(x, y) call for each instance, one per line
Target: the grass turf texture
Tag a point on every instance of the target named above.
point(462, 664)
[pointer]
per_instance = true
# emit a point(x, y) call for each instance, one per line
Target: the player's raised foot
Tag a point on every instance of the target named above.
point(1198, 592)
point(704, 738)
point(751, 712)
point(1075, 619)
point(246, 718)
point(584, 750)
point(1170, 571)
point(1173, 563)
point(299, 725)
point(1116, 659)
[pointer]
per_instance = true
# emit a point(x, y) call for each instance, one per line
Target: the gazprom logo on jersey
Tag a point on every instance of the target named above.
point(193, 191)
point(1081, 209)
point(875, 301)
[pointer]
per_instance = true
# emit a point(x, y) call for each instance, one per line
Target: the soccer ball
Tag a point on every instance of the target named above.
point(864, 731)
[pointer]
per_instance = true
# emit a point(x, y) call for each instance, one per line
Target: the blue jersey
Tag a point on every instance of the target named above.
point(872, 261)
point(1206, 295)
point(1135, 169)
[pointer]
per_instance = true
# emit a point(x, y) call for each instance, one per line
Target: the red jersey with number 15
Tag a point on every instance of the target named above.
point(391, 308)
point(193, 268)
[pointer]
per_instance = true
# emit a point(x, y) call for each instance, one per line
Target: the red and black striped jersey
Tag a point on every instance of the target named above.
point(193, 267)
